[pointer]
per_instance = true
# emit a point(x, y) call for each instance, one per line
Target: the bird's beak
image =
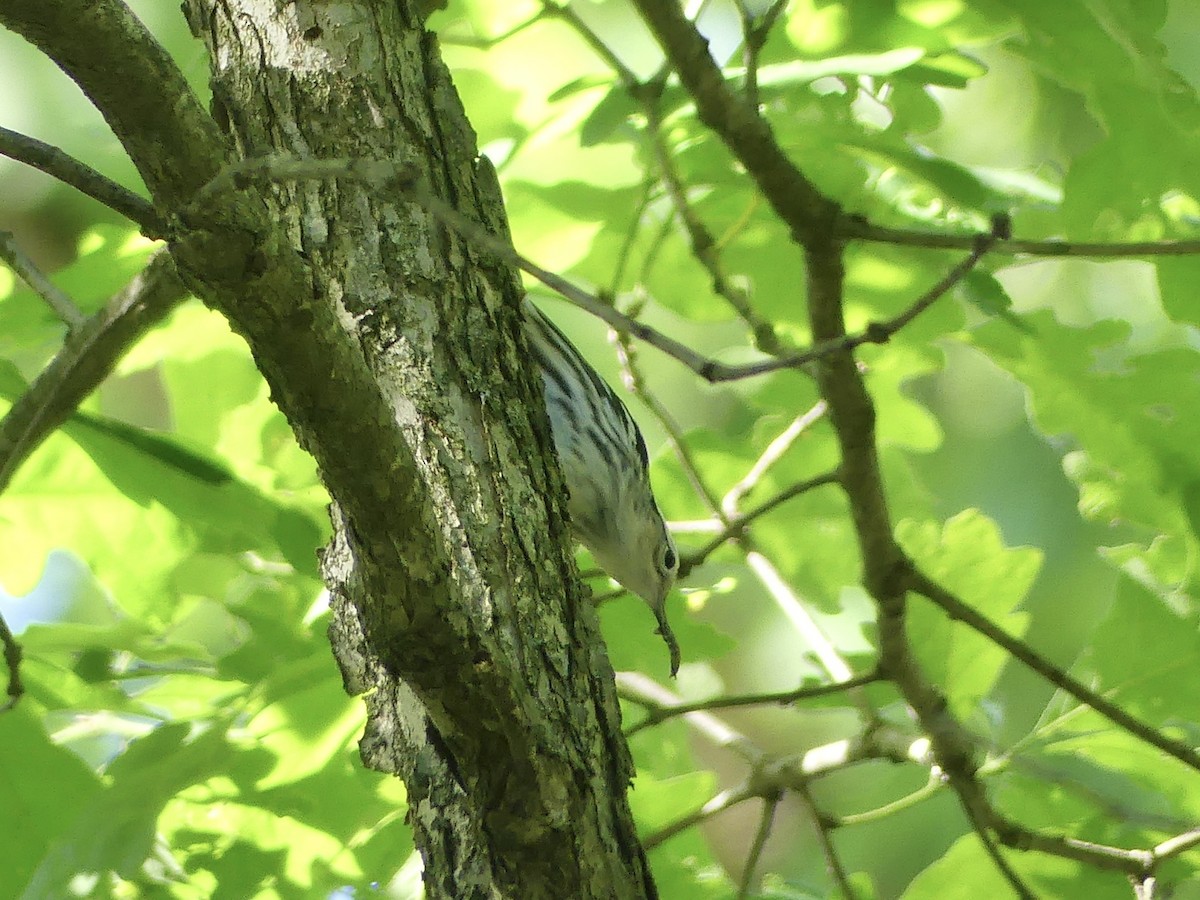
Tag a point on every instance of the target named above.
point(668, 636)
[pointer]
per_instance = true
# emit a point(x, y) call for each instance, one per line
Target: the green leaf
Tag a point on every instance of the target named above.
point(805, 71)
point(1143, 656)
point(986, 293)
point(967, 557)
point(950, 70)
point(114, 830)
point(609, 115)
point(42, 789)
point(966, 872)
point(656, 803)
point(1136, 432)
point(310, 723)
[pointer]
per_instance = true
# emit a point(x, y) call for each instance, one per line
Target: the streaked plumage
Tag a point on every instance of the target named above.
point(605, 465)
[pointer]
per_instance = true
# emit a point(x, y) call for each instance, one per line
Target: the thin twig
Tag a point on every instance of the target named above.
point(874, 333)
point(57, 164)
point(853, 228)
point(23, 267)
point(766, 823)
point(12, 658)
point(568, 14)
point(880, 333)
point(908, 801)
point(784, 597)
point(623, 255)
point(775, 450)
point(635, 687)
point(632, 376)
point(957, 609)
point(279, 167)
point(1100, 856)
point(734, 528)
point(460, 39)
point(824, 828)
point(725, 800)
point(807, 213)
point(802, 620)
point(979, 813)
point(755, 31)
point(704, 247)
point(381, 173)
point(85, 359)
point(1176, 845)
point(657, 713)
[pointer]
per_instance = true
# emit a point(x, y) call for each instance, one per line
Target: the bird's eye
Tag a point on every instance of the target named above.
point(669, 558)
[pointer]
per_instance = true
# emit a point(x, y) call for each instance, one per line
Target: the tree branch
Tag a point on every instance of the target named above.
point(960, 611)
point(978, 812)
point(766, 823)
point(854, 228)
point(717, 805)
point(134, 84)
point(70, 171)
point(87, 357)
point(389, 175)
point(824, 828)
point(733, 528)
point(732, 501)
point(12, 659)
point(62, 305)
point(737, 122)
point(657, 712)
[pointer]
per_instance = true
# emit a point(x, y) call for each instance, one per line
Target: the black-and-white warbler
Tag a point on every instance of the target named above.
point(606, 469)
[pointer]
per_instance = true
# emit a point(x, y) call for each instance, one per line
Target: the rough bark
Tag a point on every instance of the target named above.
point(393, 348)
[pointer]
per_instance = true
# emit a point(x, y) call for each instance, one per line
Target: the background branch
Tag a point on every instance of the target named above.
point(858, 229)
point(960, 611)
point(70, 171)
point(88, 356)
point(12, 659)
point(22, 266)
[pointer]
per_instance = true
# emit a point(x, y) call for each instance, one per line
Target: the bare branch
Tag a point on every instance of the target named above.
point(1176, 845)
point(1101, 856)
point(87, 357)
point(736, 122)
point(704, 247)
point(135, 84)
point(70, 171)
point(658, 712)
point(568, 14)
point(775, 450)
point(908, 801)
point(971, 797)
point(23, 267)
point(735, 528)
point(880, 333)
point(824, 828)
point(765, 823)
point(957, 609)
point(12, 658)
point(387, 174)
point(853, 228)
point(717, 805)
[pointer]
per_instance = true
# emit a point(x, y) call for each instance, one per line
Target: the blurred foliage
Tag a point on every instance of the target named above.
point(184, 731)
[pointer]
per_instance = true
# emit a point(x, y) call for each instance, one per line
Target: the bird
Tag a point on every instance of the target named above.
point(606, 469)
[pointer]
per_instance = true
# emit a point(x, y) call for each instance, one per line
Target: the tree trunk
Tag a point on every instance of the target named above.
point(394, 349)
point(490, 693)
